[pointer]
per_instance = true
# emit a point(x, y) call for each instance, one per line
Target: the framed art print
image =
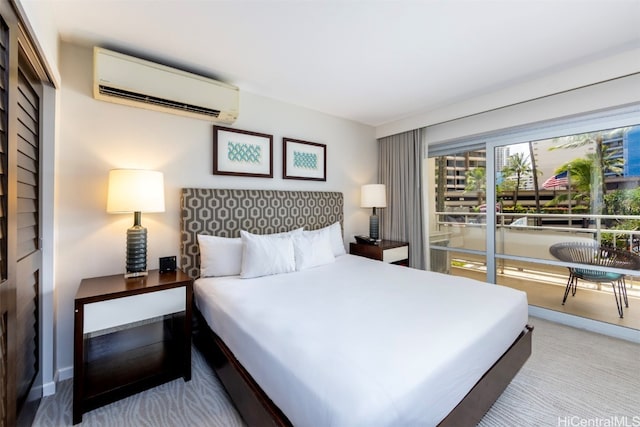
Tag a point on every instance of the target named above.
point(242, 153)
point(304, 160)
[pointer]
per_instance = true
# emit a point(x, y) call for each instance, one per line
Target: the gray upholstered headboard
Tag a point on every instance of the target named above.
point(225, 212)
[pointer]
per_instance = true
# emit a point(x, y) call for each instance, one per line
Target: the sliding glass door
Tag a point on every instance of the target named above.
point(497, 208)
point(458, 213)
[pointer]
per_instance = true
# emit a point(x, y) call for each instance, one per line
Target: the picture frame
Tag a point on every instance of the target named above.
point(242, 153)
point(304, 160)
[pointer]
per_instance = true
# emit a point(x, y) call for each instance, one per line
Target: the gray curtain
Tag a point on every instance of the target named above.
point(400, 169)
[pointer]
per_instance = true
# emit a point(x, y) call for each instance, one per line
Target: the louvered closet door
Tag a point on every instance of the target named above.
point(29, 255)
point(7, 286)
point(20, 253)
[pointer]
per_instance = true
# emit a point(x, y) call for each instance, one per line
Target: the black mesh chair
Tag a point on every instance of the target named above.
point(590, 253)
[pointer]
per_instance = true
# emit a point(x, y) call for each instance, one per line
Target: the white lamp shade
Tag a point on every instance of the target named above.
point(135, 190)
point(373, 196)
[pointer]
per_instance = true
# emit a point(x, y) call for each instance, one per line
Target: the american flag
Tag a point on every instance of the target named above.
point(557, 180)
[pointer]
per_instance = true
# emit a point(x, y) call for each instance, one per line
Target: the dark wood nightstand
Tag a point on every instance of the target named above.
point(387, 251)
point(129, 335)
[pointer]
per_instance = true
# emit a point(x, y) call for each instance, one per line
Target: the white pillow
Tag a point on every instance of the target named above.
point(312, 250)
point(334, 233)
point(219, 256)
point(264, 255)
point(282, 234)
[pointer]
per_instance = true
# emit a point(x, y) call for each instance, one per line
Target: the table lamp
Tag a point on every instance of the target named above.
point(137, 191)
point(373, 196)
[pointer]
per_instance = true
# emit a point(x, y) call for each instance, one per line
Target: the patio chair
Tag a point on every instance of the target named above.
point(590, 253)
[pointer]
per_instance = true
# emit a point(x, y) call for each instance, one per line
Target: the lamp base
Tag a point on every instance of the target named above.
point(136, 251)
point(374, 227)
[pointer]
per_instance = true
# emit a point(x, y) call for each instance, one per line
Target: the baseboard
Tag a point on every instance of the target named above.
point(591, 325)
point(49, 389)
point(65, 373)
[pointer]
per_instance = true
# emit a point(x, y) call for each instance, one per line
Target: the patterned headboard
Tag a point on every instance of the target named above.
point(225, 212)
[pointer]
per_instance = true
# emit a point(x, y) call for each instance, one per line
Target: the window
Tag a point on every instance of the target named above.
point(531, 188)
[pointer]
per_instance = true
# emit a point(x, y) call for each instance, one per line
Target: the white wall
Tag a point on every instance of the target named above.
point(37, 17)
point(96, 136)
point(606, 95)
point(519, 110)
point(47, 230)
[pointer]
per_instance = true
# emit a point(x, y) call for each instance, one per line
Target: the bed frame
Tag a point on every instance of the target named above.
point(225, 213)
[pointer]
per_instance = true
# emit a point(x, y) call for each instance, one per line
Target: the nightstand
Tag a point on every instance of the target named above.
point(387, 251)
point(129, 335)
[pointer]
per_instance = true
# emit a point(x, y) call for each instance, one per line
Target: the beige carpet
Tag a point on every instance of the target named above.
point(573, 378)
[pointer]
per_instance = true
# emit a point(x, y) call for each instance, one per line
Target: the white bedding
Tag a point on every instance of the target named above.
point(361, 342)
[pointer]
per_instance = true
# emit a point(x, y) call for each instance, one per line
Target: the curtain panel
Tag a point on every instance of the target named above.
point(400, 169)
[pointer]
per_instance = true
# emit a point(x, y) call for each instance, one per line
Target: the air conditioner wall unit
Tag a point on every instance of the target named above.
point(127, 80)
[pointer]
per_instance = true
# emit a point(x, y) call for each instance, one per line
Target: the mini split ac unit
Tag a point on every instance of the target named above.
point(132, 81)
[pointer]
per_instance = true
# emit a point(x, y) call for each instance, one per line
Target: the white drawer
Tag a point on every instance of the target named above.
point(122, 311)
point(395, 254)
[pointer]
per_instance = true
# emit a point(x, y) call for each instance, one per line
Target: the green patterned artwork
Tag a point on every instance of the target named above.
point(245, 153)
point(242, 153)
point(305, 160)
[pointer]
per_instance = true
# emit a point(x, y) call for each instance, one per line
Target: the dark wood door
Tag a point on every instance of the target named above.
point(28, 251)
point(20, 242)
point(7, 275)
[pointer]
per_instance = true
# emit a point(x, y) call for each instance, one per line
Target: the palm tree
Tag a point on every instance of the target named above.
point(581, 179)
point(535, 172)
point(603, 158)
point(476, 181)
point(519, 166)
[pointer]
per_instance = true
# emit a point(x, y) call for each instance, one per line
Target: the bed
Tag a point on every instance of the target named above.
point(349, 342)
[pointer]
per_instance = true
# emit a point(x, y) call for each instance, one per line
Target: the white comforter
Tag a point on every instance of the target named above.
point(363, 343)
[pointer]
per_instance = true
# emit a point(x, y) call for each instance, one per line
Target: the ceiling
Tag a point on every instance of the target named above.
point(369, 61)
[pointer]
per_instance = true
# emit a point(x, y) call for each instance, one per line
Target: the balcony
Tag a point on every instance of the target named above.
point(523, 260)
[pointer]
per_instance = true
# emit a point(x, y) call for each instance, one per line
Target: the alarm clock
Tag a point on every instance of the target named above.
point(167, 264)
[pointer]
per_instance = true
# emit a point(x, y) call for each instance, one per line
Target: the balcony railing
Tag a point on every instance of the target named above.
point(589, 226)
point(523, 261)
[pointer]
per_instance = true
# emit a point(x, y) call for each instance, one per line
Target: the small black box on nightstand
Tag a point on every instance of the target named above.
point(167, 264)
